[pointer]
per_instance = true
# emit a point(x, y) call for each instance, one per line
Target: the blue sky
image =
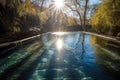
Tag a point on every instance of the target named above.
point(94, 1)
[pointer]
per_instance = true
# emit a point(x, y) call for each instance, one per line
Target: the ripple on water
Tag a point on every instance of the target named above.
point(45, 60)
point(58, 70)
point(50, 52)
point(86, 78)
point(65, 61)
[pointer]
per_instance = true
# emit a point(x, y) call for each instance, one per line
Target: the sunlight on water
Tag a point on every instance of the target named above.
point(59, 33)
point(62, 56)
point(59, 44)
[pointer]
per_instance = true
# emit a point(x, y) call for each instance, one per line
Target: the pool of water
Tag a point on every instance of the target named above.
point(61, 56)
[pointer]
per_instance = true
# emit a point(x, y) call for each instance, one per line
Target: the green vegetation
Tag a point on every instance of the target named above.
point(118, 35)
point(18, 16)
point(26, 17)
point(106, 19)
point(9, 16)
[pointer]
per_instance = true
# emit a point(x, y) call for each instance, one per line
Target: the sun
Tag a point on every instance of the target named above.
point(59, 3)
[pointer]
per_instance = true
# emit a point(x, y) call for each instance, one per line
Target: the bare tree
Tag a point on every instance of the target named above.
point(85, 12)
point(40, 3)
point(80, 8)
point(76, 8)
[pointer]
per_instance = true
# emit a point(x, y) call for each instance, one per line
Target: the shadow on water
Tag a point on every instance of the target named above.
point(107, 53)
point(10, 71)
point(68, 56)
point(8, 50)
point(14, 64)
point(50, 73)
point(58, 67)
point(4, 53)
point(28, 72)
point(81, 40)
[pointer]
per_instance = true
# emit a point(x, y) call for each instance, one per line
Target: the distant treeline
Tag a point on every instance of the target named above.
point(67, 28)
point(19, 16)
point(24, 18)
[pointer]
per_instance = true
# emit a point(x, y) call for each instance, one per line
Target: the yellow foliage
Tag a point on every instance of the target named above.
point(16, 29)
point(104, 18)
point(71, 21)
point(43, 17)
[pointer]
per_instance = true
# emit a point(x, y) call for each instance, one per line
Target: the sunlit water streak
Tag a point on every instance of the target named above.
point(59, 44)
point(61, 56)
point(59, 33)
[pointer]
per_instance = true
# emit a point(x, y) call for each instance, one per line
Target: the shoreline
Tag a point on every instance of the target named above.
point(104, 36)
point(32, 37)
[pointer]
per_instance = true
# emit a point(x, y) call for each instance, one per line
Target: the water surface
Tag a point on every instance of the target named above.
point(61, 56)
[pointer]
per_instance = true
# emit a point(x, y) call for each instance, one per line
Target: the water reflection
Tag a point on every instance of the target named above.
point(63, 56)
point(59, 33)
point(107, 53)
point(59, 44)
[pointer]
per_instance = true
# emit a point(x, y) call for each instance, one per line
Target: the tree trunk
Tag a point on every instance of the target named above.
point(85, 11)
point(42, 5)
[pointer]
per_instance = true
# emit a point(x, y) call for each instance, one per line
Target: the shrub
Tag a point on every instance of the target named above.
point(118, 35)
